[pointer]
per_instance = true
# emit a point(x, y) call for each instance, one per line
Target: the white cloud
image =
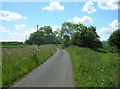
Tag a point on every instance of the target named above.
point(88, 7)
point(94, 0)
point(55, 28)
point(15, 34)
point(104, 30)
point(22, 36)
point(108, 4)
point(104, 37)
point(69, 20)
point(54, 5)
point(25, 18)
point(84, 20)
point(115, 24)
point(28, 32)
point(3, 29)
point(8, 16)
point(104, 33)
point(19, 26)
point(33, 30)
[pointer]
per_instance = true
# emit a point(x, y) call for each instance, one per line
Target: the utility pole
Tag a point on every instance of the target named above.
point(37, 27)
point(37, 35)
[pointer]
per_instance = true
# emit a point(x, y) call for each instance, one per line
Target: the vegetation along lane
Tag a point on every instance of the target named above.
point(55, 72)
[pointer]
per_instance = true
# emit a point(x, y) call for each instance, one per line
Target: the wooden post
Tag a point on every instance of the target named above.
point(37, 27)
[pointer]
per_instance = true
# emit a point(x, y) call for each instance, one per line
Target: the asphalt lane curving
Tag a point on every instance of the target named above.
point(55, 72)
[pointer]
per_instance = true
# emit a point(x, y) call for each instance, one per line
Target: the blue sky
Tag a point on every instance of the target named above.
point(19, 19)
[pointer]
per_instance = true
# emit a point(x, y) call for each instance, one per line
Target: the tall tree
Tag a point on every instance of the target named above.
point(86, 37)
point(43, 36)
point(114, 38)
point(66, 32)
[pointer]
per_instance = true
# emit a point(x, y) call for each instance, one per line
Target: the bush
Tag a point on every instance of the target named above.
point(87, 37)
point(114, 39)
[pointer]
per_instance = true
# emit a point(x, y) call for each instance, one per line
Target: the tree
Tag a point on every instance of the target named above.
point(66, 40)
point(75, 39)
point(35, 38)
point(47, 30)
point(86, 37)
point(79, 34)
point(114, 38)
point(57, 33)
point(43, 36)
point(66, 32)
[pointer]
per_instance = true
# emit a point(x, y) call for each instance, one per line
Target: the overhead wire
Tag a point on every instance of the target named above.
point(70, 11)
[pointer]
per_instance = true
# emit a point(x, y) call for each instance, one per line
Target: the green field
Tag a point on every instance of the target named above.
point(11, 46)
point(16, 62)
point(94, 69)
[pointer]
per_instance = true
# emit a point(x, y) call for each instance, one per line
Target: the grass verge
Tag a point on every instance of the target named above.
point(94, 69)
point(16, 62)
point(11, 46)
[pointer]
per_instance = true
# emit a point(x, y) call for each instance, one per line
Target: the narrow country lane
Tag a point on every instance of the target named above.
point(55, 72)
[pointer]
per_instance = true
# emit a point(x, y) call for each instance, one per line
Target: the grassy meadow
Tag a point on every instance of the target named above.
point(92, 68)
point(11, 46)
point(16, 62)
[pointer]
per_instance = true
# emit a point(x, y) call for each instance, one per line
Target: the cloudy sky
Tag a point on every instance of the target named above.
point(19, 19)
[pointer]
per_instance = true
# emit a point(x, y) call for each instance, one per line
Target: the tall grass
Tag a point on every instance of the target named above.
point(16, 62)
point(94, 69)
point(106, 48)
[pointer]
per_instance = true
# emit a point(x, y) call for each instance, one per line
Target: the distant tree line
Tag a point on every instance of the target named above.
point(69, 34)
point(11, 43)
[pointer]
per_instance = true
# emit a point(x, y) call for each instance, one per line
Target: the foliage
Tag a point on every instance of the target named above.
point(94, 69)
point(12, 43)
point(69, 34)
point(114, 39)
point(106, 48)
point(86, 37)
point(66, 40)
point(66, 32)
point(16, 62)
point(43, 36)
point(80, 35)
point(67, 29)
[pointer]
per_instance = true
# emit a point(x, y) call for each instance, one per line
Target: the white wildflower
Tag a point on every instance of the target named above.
point(102, 70)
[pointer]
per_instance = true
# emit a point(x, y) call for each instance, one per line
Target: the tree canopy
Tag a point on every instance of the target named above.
point(114, 38)
point(43, 36)
point(69, 34)
point(80, 35)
